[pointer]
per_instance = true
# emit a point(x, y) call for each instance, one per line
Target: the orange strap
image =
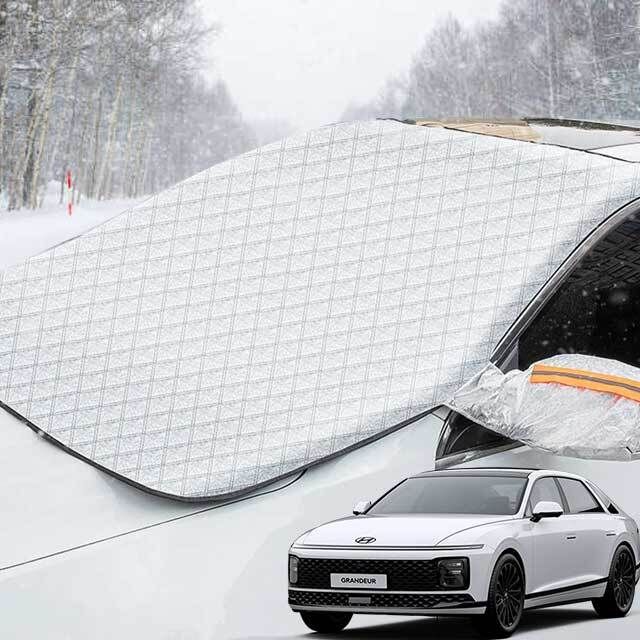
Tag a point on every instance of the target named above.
point(615, 385)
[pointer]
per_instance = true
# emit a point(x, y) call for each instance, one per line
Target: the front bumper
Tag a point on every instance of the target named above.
point(306, 596)
point(387, 602)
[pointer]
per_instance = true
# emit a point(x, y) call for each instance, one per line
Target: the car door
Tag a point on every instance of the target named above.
point(595, 536)
point(556, 558)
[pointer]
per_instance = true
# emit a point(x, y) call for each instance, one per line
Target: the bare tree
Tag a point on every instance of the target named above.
point(112, 90)
point(575, 58)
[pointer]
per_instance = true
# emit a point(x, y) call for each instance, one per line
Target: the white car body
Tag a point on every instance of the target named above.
point(565, 559)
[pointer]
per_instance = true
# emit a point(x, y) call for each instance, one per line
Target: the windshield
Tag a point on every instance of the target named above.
point(485, 495)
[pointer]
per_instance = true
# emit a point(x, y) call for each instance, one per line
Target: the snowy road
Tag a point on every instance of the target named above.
point(28, 233)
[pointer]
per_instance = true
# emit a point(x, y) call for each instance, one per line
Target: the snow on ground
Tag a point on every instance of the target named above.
point(26, 233)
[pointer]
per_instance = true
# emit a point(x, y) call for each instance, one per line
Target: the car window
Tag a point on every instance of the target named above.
point(596, 308)
point(544, 489)
point(579, 498)
point(486, 495)
point(462, 434)
point(604, 498)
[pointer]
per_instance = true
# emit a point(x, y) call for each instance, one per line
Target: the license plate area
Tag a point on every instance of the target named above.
point(358, 581)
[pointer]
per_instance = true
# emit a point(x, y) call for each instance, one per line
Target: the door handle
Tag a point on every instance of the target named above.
point(610, 534)
point(571, 536)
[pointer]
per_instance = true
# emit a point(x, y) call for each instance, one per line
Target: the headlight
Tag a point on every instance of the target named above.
point(453, 573)
point(293, 570)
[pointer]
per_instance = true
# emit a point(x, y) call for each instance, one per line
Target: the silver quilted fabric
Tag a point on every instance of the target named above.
point(560, 419)
point(293, 302)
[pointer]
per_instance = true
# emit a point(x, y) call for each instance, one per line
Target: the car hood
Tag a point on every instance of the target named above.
point(395, 531)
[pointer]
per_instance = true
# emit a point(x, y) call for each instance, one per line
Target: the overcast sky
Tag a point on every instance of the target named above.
point(305, 60)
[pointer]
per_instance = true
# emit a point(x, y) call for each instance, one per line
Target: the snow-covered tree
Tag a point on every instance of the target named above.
point(547, 58)
point(111, 90)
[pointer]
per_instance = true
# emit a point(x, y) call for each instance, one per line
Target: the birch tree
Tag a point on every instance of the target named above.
point(93, 85)
point(571, 59)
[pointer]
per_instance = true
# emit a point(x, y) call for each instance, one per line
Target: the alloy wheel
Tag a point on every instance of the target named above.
point(509, 594)
point(623, 579)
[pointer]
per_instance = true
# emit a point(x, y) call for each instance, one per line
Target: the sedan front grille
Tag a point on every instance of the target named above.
point(378, 600)
point(402, 575)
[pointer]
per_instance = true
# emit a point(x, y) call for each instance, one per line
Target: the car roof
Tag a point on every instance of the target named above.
point(512, 472)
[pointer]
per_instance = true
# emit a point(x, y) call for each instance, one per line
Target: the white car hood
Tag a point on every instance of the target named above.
point(394, 531)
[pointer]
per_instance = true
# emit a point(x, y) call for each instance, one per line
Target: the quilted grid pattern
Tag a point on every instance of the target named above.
point(292, 302)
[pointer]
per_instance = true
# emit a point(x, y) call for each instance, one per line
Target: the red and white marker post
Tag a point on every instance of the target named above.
point(68, 185)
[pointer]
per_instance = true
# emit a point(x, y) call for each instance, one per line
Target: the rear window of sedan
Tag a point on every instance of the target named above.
point(483, 495)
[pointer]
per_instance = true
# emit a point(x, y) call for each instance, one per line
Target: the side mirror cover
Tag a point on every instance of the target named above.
point(361, 507)
point(546, 509)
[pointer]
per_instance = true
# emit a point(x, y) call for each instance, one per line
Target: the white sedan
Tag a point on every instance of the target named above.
point(486, 542)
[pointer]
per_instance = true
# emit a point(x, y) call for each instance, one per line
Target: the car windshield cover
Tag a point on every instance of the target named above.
point(485, 495)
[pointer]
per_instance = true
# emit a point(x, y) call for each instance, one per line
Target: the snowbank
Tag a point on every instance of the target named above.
point(26, 233)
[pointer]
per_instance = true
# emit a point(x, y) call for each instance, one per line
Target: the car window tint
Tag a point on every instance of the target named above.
point(545, 490)
point(579, 498)
point(596, 309)
point(487, 495)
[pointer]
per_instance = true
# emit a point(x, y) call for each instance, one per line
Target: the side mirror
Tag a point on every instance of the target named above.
point(361, 507)
point(546, 509)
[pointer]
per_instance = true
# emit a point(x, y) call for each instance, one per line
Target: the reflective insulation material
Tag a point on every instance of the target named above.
point(294, 302)
point(571, 405)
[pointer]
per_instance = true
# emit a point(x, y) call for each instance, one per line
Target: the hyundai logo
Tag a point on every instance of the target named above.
point(365, 540)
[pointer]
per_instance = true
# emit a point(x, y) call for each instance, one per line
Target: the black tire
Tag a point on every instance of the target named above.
point(621, 586)
point(505, 602)
point(326, 621)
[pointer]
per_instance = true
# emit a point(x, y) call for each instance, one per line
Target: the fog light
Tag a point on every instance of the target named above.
point(453, 573)
point(293, 570)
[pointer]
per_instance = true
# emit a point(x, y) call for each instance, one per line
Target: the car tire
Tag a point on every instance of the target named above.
point(326, 621)
point(505, 601)
point(621, 586)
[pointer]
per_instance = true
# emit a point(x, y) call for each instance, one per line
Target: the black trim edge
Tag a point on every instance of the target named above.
point(467, 605)
point(386, 611)
point(219, 498)
point(552, 592)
